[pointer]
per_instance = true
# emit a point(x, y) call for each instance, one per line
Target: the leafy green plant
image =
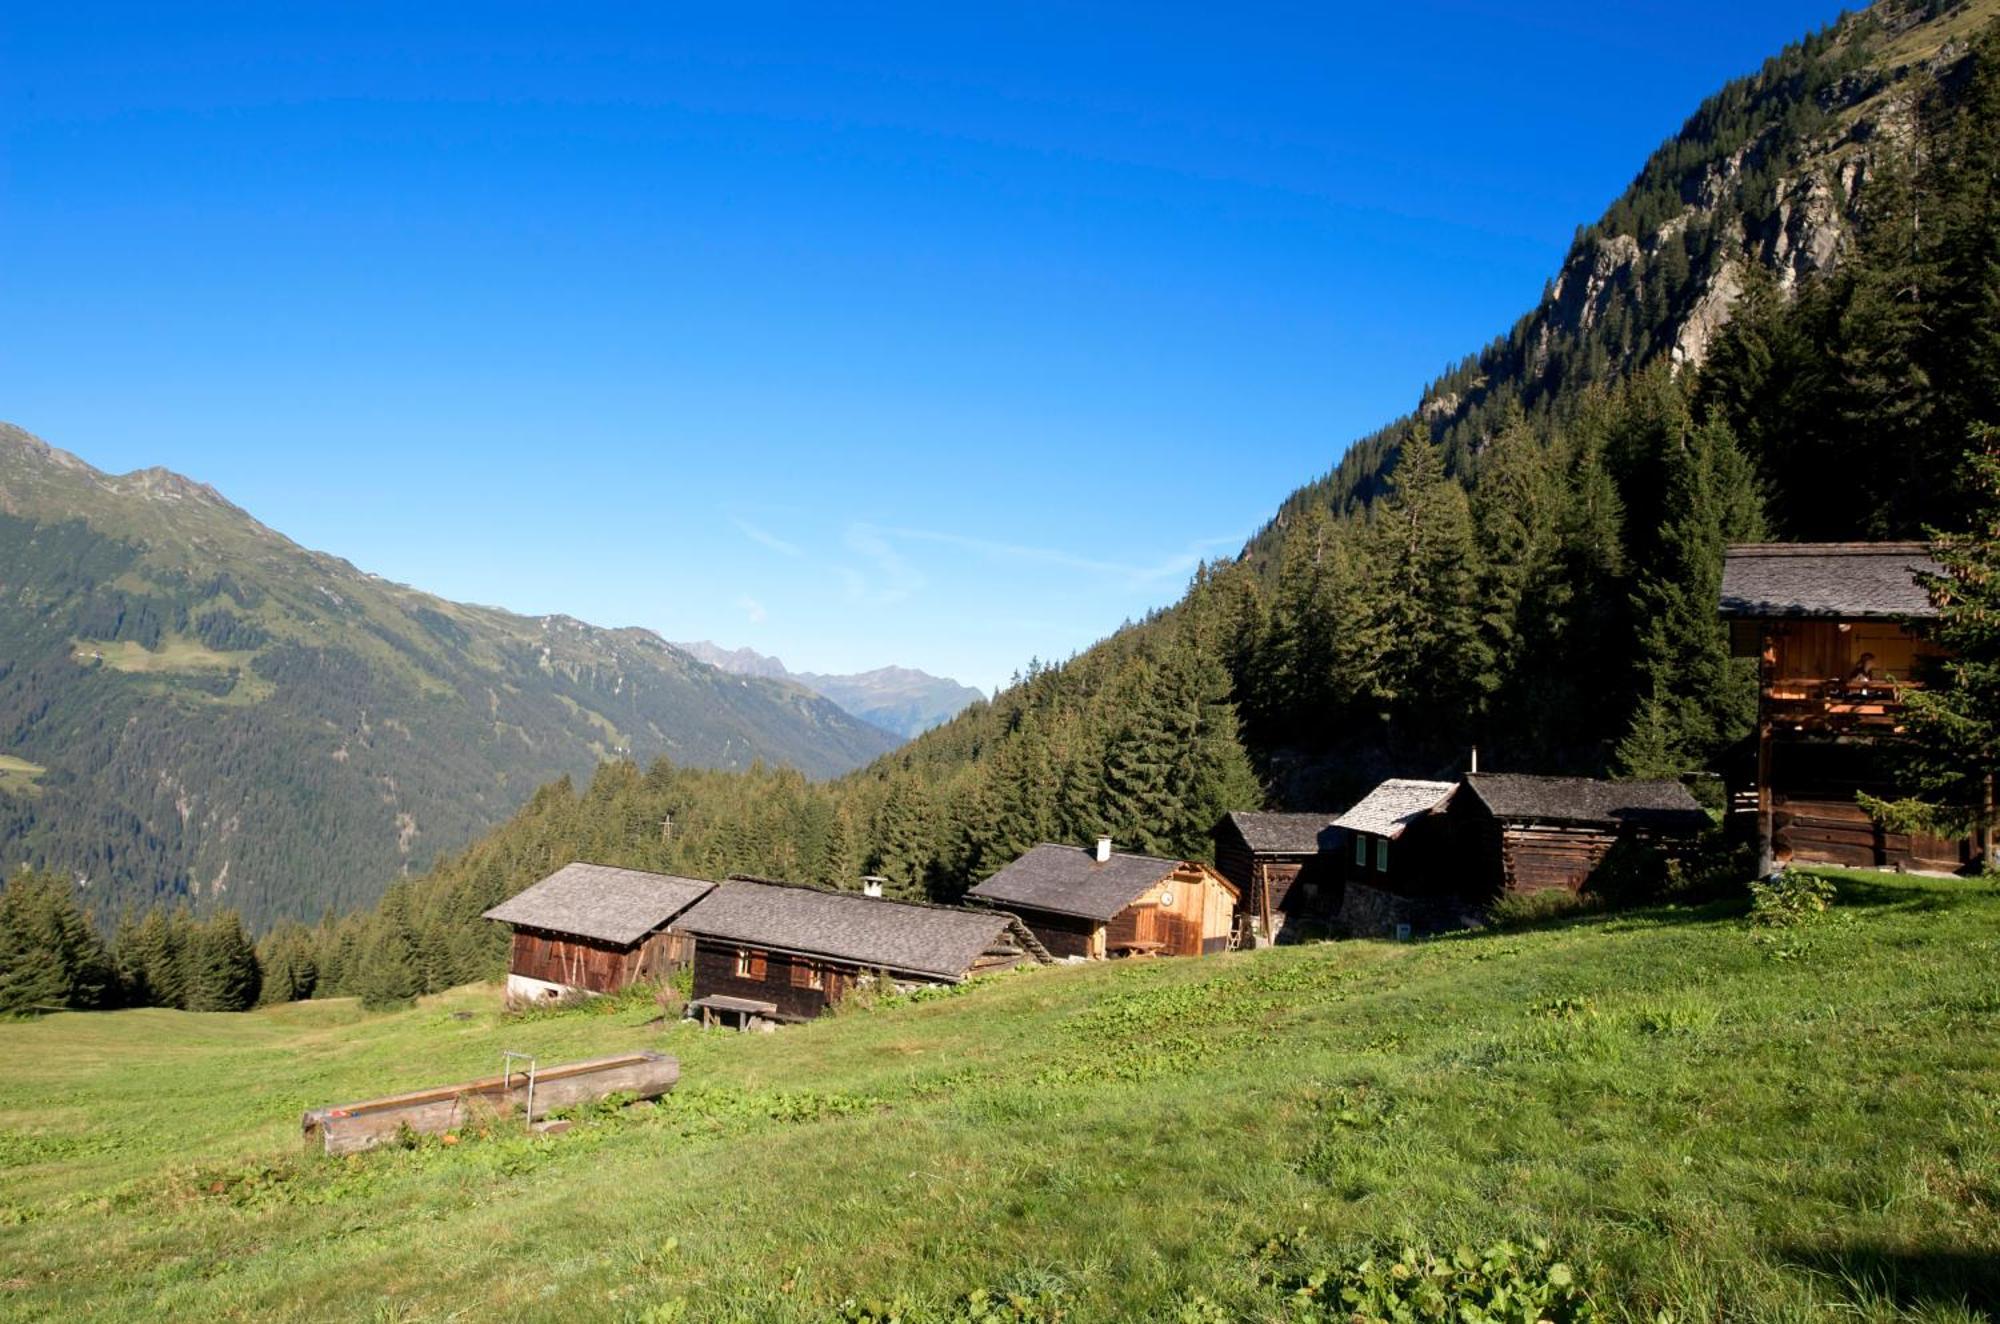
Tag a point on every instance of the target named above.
point(1506, 1283)
point(1789, 899)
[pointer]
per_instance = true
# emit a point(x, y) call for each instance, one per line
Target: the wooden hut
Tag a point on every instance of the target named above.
point(1833, 627)
point(784, 952)
point(1519, 834)
point(592, 928)
point(1282, 865)
point(1095, 903)
point(1396, 865)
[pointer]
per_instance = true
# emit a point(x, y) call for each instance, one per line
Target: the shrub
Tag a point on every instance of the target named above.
point(1519, 910)
point(1790, 898)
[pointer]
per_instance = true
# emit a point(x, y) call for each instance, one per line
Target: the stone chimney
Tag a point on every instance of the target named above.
point(872, 885)
point(1103, 849)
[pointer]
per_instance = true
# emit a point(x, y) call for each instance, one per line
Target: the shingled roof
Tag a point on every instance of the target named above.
point(875, 933)
point(1392, 806)
point(1283, 834)
point(1068, 880)
point(1661, 805)
point(596, 901)
point(1836, 579)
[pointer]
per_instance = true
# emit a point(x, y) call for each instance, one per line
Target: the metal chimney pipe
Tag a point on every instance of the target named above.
point(1103, 849)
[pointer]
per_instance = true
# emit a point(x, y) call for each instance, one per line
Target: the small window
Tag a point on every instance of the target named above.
point(815, 976)
point(1381, 855)
point(1361, 850)
point(807, 974)
point(749, 964)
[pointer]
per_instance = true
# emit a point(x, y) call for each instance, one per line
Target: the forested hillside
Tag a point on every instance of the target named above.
point(1788, 327)
point(194, 708)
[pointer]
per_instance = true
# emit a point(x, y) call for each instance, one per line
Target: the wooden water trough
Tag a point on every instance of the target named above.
point(526, 1093)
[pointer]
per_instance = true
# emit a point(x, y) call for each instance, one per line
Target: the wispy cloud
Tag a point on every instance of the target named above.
point(891, 578)
point(1174, 567)
point(752, 609)
point(765, 538)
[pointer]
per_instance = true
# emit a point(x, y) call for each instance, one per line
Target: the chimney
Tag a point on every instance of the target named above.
point(1103, 849)
point(1475, 759)
point(872, 885)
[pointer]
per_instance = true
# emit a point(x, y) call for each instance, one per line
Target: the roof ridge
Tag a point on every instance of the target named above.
point(843, 892)
point(1117, 854)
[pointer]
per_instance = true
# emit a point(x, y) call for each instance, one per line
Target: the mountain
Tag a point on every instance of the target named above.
point(899, 699)
point(193, 706)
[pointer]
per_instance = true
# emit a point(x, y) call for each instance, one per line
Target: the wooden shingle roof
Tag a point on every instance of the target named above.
point(1283, 834)
point(1392, 806)
point(1857, 580)
point(1662, 806)
point(597, 901)
point(875, 933)
point(1068, 880)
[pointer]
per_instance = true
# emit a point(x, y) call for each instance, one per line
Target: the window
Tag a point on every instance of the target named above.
point(749, 964)
point(1381, 855)
point(807, 974)
point(1361, 850)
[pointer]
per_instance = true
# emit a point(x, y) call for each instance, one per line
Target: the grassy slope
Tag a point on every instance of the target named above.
point(1709, 1126)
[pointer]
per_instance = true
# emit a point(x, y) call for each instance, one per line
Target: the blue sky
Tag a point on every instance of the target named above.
point(900, 333)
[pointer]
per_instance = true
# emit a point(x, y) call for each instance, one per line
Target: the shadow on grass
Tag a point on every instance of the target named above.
point(1940, 895)
point(1914, 1278)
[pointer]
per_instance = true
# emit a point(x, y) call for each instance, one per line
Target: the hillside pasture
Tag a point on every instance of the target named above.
point(1706, 1119)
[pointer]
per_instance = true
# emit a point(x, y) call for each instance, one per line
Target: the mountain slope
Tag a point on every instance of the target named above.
point(899, 699)
point(191, 704)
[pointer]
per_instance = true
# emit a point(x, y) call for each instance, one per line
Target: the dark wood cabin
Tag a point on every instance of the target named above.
point(1520, 834)
point(1283, 866)
point(1095, 903)
point(1835, 631)
point(787, 952)
point(1396, 864)
point(592, 928)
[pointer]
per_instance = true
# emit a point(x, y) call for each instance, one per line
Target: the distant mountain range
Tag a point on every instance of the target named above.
point(898, 699)
point(193, 706)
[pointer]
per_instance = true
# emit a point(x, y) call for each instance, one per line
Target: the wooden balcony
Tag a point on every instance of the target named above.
point(1836, 707)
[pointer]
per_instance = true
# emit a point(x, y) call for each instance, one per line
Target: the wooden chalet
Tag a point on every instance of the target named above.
point(1517, 834)
point(776, 952)
point(592, 928)
point(1398, 838)
point(1282, 865)
point(1834, 627)
point(1095, 903)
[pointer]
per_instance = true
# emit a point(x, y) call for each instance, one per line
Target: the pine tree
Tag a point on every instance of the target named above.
point(222, 966)
point(50, 954)
point(387, 977)
point(1954, 753)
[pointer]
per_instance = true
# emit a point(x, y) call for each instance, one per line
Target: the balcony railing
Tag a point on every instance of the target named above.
point(1875, 706)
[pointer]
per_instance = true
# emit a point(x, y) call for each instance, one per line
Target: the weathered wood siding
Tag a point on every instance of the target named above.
point(1823, 829)
point(1273, 883)
point(596, 967)
point(1540, 858)
point(1064, 935)
point(786, 980)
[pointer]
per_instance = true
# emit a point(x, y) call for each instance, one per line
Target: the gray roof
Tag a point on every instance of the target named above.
point(1068, 880)
point(1283, 834)
point(872, 932)
point(1390, 807)
point(1832, 579)
point(596, 901)
point(1663, 805)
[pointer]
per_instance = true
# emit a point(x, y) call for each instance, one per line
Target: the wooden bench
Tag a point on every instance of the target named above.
point(744, 1013)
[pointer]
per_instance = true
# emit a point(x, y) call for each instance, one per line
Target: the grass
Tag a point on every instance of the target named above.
point(1707, 1120)
point(177, 655)
point(19, 776)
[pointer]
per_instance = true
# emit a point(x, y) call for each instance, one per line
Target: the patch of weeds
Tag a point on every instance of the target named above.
point(1789, 899)
point(982, 1305)
point(1506, 1283)
point(1567, 1009)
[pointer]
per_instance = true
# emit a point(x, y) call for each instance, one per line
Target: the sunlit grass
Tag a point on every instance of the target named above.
point(1702, 1123)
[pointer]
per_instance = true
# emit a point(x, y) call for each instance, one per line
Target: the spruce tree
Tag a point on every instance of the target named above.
point(387, 977)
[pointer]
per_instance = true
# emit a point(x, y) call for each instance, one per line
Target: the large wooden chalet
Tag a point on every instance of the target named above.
point(1282, 865)
point(591, 928)
point(1096, 903)
point(776, 952)
point(1834, 627)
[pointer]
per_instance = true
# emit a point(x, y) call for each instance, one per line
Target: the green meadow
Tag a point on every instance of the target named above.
point(1705, 1120)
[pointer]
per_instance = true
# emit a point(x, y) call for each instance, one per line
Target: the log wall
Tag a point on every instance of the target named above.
point(576, 962)
point(1539, 857)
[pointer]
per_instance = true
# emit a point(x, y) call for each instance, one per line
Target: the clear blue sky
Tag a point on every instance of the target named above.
point(905, 333)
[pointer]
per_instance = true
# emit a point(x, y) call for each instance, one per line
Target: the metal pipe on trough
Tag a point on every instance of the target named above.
point(352, 1127)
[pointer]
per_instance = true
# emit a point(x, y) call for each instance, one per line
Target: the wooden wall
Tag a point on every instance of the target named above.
point(576, 962)
point(1271, 883)
point(787, 979)
point(1196, 920)
point(1813, 828)
point(1064, 935)
point(1540, 858)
